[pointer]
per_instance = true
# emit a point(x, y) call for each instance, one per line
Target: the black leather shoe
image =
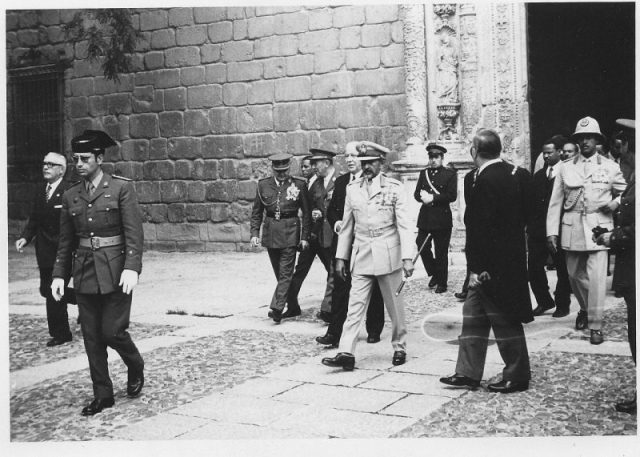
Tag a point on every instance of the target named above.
point(97, 405)
point(342, 359)
point(460, 295)
point(291, 312)
point(441, 289)
point(324, 316)
point(328, 340)
point(135, 381)
point(540, 310)
point(582, 321)
point(433, 283)
point(276, 315)
point(627, 406)
point(560, 312)
point(507, 387)
point(399, 357)
point(596, 337)
point(458, 380)
point(57, 341)
point(373, 339)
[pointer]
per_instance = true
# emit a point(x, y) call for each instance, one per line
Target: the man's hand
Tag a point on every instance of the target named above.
point(603, 240)
point(255, 241)
point(20, 244)
point(128, 280)
point(407, 266)
point(552, 244)
point(476, 280)
point(609, 207)
point(426, 197)
point(304, 245)
point(316, 214)
point(337, 227)
point(57, 288)
point(341, 269)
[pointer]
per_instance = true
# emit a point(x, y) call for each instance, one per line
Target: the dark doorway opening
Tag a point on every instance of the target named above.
point(581, 63)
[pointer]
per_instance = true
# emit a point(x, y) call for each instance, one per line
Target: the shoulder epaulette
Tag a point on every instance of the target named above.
point(121, 177)
point(264, 179)
point(74, 183)
point(298, 178)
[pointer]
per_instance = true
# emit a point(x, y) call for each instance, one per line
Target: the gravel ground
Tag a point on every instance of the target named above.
point(174, 376)
point(29, 335)
point(570, 395)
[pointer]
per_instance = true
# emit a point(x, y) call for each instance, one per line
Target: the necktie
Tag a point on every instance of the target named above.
point(550, 174)
point(48, 192)
point(90, 188)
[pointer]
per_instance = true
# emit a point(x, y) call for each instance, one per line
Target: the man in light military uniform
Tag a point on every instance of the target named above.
point(281, 196)
point(377, 237)
point(583, 198)
point(101, 245)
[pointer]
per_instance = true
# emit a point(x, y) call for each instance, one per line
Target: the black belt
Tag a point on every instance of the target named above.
point(97, 242)
point(283, 215)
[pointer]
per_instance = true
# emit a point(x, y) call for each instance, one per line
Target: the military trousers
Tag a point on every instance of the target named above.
point(305, 260)
point(104, 319)
point(436, 262)
point(283, 261)
point(536, 260)
point(479, 315)
point(361, 290)
point(57, 316)
point(588, 278)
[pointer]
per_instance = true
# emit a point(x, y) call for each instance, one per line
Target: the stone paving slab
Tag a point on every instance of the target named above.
point(417, 406)
point(314, 371)
point(408, 382)
point(339, 397)
point(160, 427)
point(214, 430)
point(262, 387)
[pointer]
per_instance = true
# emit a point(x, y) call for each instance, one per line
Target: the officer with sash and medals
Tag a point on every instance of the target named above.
point(437, 187)
point(101, 245)
point(280, 197)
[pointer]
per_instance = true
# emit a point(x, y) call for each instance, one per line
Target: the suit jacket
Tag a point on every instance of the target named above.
point(288, 198)
point(335, 210)
point(437, 214)
point(320, 198)
point(542, 188)
point(579, 190)
point(496, 238)
point(44, 223)
point(623, 239)
point(375, 227)
point(111, 210)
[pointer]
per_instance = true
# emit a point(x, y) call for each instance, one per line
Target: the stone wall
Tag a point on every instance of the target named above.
point(215, 91)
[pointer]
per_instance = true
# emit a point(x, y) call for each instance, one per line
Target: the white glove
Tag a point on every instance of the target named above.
point(57, 288)
point(426, 197)
point(20, 244)
point(337, 227)
point(128, 280)
point(255, 241)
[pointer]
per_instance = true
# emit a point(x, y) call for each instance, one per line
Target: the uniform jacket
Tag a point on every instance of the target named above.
point(375, 230)
point(44, 223)
point(496, 238)
point(579, 190)
point(623, 239)
point(320, 198)
point(437, 214)
point(287, 198)
point(111, 210)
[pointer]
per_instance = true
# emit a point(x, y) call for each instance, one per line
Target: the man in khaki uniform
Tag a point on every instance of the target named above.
point(377, 237)
point(585, 189)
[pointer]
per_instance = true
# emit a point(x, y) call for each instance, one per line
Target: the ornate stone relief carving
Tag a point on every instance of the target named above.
point(470, 110)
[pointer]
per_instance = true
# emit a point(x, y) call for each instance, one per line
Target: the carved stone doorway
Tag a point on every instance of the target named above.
point(581, 63)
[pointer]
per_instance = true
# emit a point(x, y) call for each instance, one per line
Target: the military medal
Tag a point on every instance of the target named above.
point(277, 214)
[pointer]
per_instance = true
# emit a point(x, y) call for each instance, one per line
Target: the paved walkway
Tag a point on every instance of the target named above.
point(217, 368)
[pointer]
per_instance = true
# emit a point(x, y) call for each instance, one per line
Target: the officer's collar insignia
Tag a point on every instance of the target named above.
point(584, 122)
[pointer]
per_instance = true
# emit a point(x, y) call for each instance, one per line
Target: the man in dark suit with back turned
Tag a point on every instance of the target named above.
point(437, 187)
point(44, 226)
point(341, 288)
point(542, 187)
point(498, 296)
point(101, 244)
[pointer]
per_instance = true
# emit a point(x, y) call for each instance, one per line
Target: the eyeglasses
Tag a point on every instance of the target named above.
point(50, 164)
point(83, 159)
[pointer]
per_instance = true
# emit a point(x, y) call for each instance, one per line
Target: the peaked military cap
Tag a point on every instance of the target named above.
point(319, 154)
point(368, 150)
point(280, 161)
point(629, 124)
point(95, 141)
point(435, 148)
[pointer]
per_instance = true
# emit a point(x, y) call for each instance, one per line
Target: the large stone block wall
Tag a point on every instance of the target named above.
point(215, 91)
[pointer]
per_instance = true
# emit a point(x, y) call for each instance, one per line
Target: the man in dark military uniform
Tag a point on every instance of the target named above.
point(281, 196)
point(44, 226)
point(437, 187)
point(101, 244)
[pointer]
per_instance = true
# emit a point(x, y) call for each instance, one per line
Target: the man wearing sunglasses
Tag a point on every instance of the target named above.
point(101, 245)
point(44, 226)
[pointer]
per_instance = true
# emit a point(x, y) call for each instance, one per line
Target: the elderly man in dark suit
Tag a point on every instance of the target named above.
point(436, 189)
point(101, 245)
point(44, 226)
point(537, 230)
point(498, 296)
